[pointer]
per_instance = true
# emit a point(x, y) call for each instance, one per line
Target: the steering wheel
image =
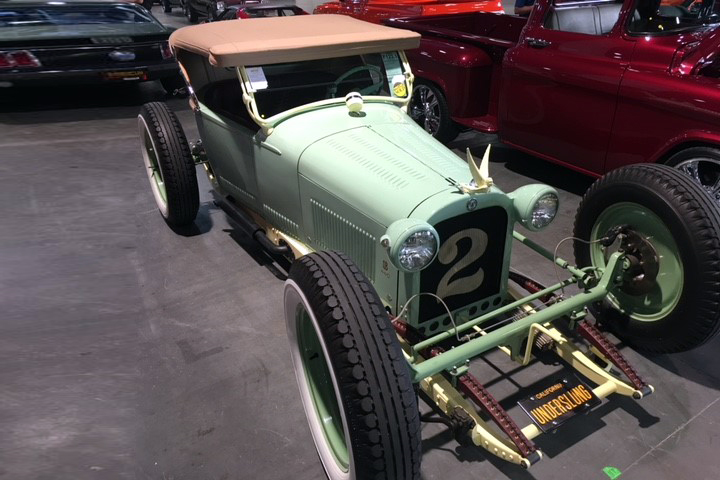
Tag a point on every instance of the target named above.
point(369, 90)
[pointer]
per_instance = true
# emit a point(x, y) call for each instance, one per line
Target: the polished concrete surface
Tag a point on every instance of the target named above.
point(128, 351)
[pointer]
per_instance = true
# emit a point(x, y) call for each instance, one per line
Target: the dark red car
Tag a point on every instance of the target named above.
point(592, 85)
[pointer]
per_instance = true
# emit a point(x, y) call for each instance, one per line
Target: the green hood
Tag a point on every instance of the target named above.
point(384, 170)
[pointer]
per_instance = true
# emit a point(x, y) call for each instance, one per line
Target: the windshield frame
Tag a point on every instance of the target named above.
point(268, 124)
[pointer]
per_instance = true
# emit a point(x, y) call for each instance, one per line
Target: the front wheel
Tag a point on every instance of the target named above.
point(430, 110)
point(353, 378)
point(168, 163)
point(669, 297)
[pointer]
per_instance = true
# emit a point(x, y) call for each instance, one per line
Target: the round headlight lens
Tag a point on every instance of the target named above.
point(544, 211)
point(219, 6)
point(417, 251)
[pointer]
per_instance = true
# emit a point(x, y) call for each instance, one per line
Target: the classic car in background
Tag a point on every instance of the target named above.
point(271, 8)
point(592, 85)
point(167, 5)
point(378, 10)
point(401, 249)
point(208, 9)
point(50, 43)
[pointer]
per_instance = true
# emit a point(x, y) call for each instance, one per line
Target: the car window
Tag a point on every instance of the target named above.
point(27, 22)
point(590, 18)
point(287, 85)
point(661, 17)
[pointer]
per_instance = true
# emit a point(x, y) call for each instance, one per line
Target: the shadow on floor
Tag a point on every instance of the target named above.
point(33, 105)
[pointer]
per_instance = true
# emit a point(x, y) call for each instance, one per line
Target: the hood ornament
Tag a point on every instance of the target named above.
point(481, 181)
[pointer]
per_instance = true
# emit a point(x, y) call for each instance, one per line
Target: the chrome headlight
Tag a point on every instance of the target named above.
point(544, 210)
point(219, 6)
point(535, 205)
point(411, 244)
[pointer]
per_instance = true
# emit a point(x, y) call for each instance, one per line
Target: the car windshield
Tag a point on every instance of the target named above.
point(669, 16)
point(24, 22)
point(284, 86)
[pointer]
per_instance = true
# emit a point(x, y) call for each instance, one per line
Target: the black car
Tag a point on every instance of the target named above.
point(46, 42)
point(210, 9)
point(263, 9)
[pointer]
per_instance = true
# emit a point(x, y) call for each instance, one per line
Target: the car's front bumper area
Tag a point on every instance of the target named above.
point(135, 73)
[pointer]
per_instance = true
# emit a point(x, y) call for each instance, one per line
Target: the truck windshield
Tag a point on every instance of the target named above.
point(669, 16)
point(284, 86)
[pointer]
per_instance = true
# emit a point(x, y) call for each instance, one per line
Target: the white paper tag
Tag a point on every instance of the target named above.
point(257, 78)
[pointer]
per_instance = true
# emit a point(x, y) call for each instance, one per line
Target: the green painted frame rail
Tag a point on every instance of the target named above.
point(458, 355)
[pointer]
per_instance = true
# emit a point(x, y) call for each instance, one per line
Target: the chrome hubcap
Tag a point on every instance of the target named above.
point(706, 172)
point(425, 109)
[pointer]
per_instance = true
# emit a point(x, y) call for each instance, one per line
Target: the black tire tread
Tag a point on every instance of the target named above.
point(378, 395)
point(175, 161)
point(701, 215)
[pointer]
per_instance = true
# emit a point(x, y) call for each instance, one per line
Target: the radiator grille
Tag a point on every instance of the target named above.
point(469, 266)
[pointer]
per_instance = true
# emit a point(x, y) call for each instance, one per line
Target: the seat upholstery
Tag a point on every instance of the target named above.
point(591, 20)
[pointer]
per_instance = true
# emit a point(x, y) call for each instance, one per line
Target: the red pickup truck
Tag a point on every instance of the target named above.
point(592, 85)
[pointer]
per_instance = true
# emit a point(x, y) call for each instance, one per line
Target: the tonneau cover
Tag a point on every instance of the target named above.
point(263, 41)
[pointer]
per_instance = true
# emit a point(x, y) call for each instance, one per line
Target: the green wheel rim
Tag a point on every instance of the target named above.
point(155, 174)
point(321, 388)
point(662, 299)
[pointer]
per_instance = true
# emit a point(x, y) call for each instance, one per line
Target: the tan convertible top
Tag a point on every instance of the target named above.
point(263, 41)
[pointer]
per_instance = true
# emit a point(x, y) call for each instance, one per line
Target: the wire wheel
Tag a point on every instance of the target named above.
point(429, 109)
point(706, 172)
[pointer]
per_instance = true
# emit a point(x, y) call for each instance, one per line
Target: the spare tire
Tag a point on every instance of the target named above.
point(672, 302)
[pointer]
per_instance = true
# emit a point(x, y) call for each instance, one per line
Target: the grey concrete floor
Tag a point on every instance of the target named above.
point(130, 352)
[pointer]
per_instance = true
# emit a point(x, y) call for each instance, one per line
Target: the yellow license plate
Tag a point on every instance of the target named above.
point(126, 75)
point(557, 403)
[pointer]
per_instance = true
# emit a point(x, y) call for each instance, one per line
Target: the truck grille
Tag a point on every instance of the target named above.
point(468, 271)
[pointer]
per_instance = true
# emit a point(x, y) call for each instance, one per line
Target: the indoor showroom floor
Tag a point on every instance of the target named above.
point(128, 351)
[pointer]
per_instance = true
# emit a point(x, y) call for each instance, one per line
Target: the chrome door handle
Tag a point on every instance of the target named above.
point(538, 43)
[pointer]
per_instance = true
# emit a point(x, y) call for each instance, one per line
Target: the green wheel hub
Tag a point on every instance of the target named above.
point(667, 289)
point(321, 387)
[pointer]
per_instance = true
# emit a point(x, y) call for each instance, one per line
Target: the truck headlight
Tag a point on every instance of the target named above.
point(412, 244)
point(219, 6)
point(535, 205)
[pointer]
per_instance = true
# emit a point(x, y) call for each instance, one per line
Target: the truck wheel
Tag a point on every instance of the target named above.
point(669, 300)
point(703, 166)
point(190, 12)
point(354, 382)
point(429, 109)
point(169, 165)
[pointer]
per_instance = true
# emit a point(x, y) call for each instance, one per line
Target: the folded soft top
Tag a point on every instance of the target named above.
point(262, 41)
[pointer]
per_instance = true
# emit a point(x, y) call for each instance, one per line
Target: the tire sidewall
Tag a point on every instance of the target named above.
point(654, 201)
point(161, 203)
point(292, 298)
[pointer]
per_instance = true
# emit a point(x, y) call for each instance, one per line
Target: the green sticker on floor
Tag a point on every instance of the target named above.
point(612, 472)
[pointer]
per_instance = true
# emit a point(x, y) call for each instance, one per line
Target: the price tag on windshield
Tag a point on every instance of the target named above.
point(257, 78)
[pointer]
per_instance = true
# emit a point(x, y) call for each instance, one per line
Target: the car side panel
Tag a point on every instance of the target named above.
point(657, 111)
point(231, 153)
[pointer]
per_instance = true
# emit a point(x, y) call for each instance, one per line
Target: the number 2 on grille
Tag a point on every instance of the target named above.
point(447, 255)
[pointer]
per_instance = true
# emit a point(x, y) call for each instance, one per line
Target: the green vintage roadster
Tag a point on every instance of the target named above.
point(401, 250)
